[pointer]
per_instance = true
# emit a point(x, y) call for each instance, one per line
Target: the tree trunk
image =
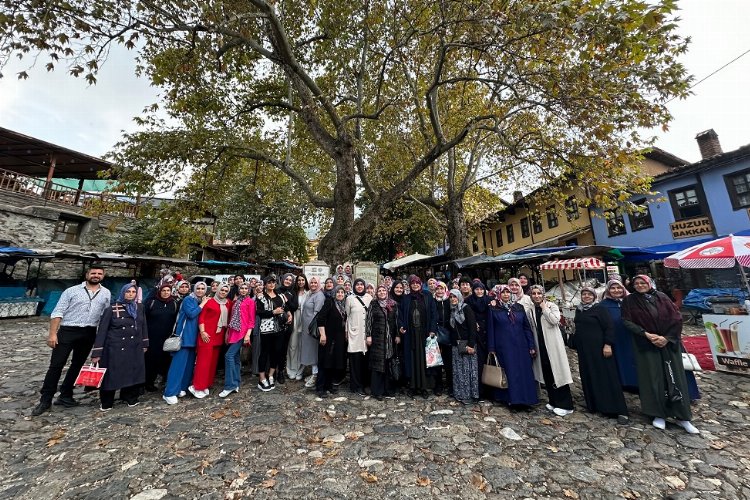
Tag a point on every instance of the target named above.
point(458, 232)
point(336, 246)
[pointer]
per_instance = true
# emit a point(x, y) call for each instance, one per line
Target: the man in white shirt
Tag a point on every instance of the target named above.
point(72, 328)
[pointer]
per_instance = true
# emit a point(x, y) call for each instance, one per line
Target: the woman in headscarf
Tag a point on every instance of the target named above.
point(479, 302)
point(356, 315)
point(417, 321)
point(656, 325)
point(241, 324)
point(293, 367)
point(161, 313)
point(622, 348)
point(551, 365)
point(464, 331)
point(328, 285)
point(183, 361)
point(212, 329)
point(509, 337)
point(121, 340)
point(519, 297)
point(182, 289)
point(382, 337)
point(370, 290)
point(332, 341)
point(443, 307)
point(397, 292)
point(593, 341)
point(287, 290)
point(309, 345)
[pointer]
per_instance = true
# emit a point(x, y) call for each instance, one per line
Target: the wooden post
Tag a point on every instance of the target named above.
point(50, 174)
point(78, 193)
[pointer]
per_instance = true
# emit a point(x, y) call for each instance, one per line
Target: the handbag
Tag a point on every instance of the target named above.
point(433, 357)
point(395, 368)
point(269, 325)
point(312, 328)
point(671, 392)
point(172, 344)
point(462, 345)
point(494, 375)
point(91, 376)
point(443, 335)
point(690, 362)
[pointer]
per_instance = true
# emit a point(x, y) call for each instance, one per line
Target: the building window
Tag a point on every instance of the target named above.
point(686, 203)
point(642, 218)
point(525, 232)
point(509, 233)
point(499, 237)
point(615, 222)
point(475, 244)
point(67, 231)
point(571, 208)
point(552, 217)
point(738, 186)
point(573, 242)
point(536, 223)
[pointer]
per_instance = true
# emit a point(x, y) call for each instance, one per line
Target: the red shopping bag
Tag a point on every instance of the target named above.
point(91, 376)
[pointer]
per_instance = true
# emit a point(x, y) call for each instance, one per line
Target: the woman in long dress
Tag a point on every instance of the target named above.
point(417, 321)
point(464, 329)
point(551, 365)
point(121, 341)
point(309, 344)
point(332, 342)
point(594, 339)
point(293, 367)
point(161, 313)
point(656, 325)
point(357, 305)
point(382, 338)
point(509, 337)
point(614, 295)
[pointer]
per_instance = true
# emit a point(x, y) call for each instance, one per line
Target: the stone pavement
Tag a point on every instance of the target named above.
point(289, 444)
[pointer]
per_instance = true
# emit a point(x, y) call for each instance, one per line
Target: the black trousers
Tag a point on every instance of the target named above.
point(78, 340)
point(559, 397)
point(357, 364)
point(157, 362)
point(129, 394)
point(446, 352)
point(324, 381)
point(380, 382)
point(270, 350)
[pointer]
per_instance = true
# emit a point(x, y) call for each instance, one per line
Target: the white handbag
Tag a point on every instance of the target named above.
point(690, 362)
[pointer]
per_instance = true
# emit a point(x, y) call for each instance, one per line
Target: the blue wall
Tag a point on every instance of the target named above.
point(725, 219)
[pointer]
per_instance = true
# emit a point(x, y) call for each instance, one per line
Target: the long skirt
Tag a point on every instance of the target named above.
point(465, 376)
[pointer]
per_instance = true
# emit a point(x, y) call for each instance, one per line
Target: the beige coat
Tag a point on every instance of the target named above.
point(558, 357)
point(356, 315)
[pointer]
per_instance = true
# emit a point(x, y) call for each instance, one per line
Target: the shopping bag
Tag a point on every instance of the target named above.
point(91, 376)
point(690, 362)
point(395, 367)
point(493, 374)
point(432, 352)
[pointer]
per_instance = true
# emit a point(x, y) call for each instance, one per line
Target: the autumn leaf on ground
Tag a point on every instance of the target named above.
point(630, 494)
point(314, 439)
point(423, 481)
point(546, 421)
point(268, 483)
point(717, 445)
point(479, 482)
point(236, 413)
point(272, 472)
point(553, 449)
point(218, 414)
point(204, 463)
point(570, 494)
point(56, 437)
point(319, 461)
point(370, 478)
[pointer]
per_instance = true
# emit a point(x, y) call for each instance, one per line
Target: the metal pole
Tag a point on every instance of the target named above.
point(744, 277)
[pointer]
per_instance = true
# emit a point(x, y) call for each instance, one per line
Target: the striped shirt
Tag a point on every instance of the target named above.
point(80, 307)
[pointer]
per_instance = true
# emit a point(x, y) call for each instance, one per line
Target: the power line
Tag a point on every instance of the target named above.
point(713, 73)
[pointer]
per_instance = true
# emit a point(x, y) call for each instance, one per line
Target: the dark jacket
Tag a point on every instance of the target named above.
point(120, 341)
point(466, 330)
point(382, 326)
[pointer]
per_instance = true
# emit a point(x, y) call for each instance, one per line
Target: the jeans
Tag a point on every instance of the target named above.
point(232, 365)
point(79, 341)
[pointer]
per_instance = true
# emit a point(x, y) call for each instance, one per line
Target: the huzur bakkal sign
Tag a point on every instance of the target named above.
point(691, 227)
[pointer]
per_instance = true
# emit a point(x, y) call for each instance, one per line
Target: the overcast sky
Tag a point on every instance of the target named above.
point(65, 111)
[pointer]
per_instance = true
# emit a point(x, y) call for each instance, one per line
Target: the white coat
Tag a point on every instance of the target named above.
point(356, 315)
point(550, 328)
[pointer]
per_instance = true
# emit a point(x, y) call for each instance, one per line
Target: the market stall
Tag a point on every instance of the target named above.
point(728, 325)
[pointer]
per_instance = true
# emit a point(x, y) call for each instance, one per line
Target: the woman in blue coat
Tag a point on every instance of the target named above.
point(509, 336)
point(183, 361)
point(623, 346)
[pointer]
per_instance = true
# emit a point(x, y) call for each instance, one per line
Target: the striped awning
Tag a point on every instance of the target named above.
point(581, 263)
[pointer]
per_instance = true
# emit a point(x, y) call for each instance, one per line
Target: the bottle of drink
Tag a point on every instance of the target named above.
point(747, 305)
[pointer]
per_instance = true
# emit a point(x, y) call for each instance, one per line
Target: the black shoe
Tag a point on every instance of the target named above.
point(281, 379)
point(133, 402)
point(623, 419)
point(379, 398)
point(321, 394)
point(151, 388)
point(90, 388)
point(66, 401)
point(42, 407)
point(424, 394)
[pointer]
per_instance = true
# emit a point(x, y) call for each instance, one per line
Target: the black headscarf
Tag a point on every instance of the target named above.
point(354, 287)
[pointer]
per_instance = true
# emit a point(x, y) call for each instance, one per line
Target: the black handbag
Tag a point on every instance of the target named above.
point(395, 368)
point(462, 346)
point(443, 335)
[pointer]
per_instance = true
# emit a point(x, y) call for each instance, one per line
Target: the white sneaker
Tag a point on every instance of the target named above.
point(690, 428)
point(205, 392)
point(226, 392)
point(264, 386)
point(197, 394)
point(272, 381)
point(549, 407)
point(310, 381)
point(659, 423)
point(171, 400)
point(182, 394)
point(561, 413)
point(298, 377)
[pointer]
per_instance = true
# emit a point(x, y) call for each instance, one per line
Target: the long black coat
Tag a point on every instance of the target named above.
point(333, 354)
point(120, 341)
point(160, 319)
point(382, 326)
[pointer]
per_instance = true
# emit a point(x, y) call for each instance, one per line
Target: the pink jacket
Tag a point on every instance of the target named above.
point(247, 321)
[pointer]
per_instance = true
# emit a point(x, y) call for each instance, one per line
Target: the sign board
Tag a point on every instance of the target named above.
point(613, 271)
point(689, 228)
point(729, 339)
point(368, 271)
point(318, 269)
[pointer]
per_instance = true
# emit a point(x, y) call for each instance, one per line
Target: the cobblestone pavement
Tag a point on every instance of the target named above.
point(289, 444)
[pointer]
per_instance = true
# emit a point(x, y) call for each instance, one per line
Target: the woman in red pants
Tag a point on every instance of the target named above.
point(212, 327)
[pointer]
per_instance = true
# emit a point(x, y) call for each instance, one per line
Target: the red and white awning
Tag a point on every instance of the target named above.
point(580, 263)
point(722, 253)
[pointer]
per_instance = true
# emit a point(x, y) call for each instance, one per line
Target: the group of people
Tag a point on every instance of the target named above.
point(376, 336)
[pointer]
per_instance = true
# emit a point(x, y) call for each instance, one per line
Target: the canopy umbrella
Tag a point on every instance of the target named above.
point(579, 263)
point(722, 253)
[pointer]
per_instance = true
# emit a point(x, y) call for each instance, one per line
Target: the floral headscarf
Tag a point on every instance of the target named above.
point(130, 305)
point(517, 296)
point(388, 303)
point(611, 283)
point(506, 306)
point(586, 307)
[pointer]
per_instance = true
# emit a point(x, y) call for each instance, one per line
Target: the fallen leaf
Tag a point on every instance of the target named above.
point(268, 483)
point(314, 439)
point(236, 413)
point(218, 414)
point(570, 493)
point(272, 472)
point(56, 437)
point(479, 482)
point(370, 478)
point(546, 421)
point(717, 445)
point(353, 436)
point(553, 449)
point(630, 494)
point(319, 461)
point(423, 481)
